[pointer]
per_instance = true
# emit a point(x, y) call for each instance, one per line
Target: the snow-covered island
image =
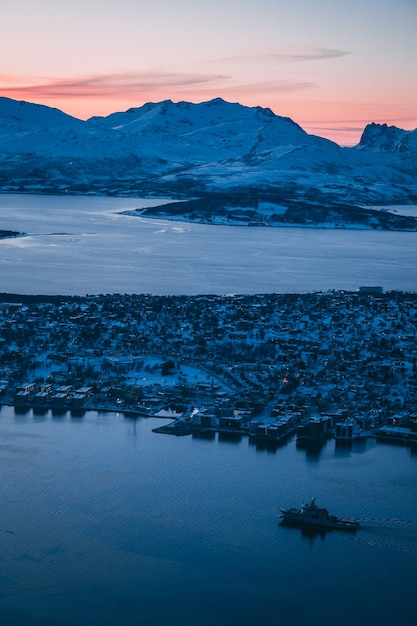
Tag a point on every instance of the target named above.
point(246, 211)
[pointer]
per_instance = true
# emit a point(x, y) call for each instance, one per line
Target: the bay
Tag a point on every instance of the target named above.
point(84, 245)
point(105, 522)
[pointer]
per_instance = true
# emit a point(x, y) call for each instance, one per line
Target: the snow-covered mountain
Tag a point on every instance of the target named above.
point(184, 150)
point(389, 139)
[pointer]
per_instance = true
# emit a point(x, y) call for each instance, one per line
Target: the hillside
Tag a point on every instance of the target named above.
point(192, 151)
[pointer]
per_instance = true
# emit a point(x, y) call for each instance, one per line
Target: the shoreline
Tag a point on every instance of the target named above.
point(148, 213)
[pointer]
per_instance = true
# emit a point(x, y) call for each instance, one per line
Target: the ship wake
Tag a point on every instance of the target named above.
point(390, 534)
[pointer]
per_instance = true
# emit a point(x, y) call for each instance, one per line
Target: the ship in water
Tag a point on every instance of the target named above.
point(312, 515)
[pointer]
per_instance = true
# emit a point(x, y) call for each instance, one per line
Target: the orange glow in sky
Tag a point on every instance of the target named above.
point(331, 66)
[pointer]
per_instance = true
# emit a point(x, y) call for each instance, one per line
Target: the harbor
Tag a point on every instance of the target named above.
point(101, 502)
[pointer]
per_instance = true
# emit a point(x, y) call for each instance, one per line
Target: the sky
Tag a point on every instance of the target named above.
point(332, 66)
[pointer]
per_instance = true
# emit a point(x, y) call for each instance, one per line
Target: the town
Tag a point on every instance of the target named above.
point(266, 366)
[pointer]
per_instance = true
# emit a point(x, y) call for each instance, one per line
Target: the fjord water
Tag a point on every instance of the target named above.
point(83, 245)
point(104, 522)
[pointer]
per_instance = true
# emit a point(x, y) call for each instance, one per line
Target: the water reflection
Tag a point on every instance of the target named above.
point(306, 532)
point(40, 412)
point(229, 437)
point(313, 449)
point(21, 410)
point(116, 524)
point(268, 445)
point(209, 435)
point(346, 448)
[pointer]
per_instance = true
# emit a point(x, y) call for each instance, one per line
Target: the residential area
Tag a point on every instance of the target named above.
point(265, 366)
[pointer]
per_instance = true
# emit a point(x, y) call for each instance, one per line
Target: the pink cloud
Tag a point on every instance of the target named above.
point(130, 86)
point(84, 96)
point(112, 85)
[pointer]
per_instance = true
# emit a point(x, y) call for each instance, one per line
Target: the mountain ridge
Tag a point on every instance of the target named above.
point(185, 150)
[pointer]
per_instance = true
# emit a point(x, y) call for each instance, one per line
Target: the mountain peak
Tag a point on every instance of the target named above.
point(189, 148)
point(31, 113)
point(389, 139)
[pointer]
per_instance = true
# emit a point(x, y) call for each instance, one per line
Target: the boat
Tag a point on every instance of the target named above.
point(312, 515)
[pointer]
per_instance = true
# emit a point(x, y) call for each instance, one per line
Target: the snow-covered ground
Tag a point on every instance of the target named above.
point(148, 374)
point(184, 148)
point(399, 209)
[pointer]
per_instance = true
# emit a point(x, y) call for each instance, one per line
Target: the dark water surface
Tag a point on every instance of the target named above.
point(79, 245)
point(104, 522)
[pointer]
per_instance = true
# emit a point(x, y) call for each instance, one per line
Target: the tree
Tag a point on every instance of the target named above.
point(167, 367)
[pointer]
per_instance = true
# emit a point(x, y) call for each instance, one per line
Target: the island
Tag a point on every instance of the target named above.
point(274, 210)
point(6, 234)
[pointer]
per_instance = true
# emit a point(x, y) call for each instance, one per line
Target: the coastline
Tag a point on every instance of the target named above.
point(372, 218)
point(239, 223)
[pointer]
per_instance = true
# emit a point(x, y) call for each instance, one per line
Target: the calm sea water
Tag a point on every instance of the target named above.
point(80, 245)
point(104, 522)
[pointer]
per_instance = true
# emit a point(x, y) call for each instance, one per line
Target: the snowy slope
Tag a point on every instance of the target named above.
point(187, 149)
point(203, 133)
point(388, 139)
point(41, 130)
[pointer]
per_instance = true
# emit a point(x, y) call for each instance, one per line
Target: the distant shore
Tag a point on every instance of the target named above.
point(238, 210)
point(7, 234)
point(219, 221)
